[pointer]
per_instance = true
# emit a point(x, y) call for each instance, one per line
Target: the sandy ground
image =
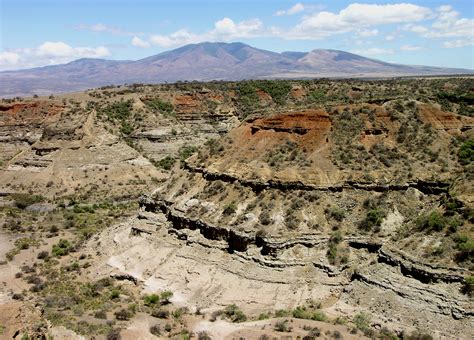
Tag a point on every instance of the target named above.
point(6, 243)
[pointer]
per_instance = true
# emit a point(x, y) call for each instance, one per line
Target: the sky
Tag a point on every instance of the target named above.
point(45, 32)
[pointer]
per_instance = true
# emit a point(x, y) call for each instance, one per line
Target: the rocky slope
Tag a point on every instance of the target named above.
point(349, 199)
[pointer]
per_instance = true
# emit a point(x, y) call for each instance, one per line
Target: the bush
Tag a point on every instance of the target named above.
point(319, 316)
point(114, 294)
point(163, 107)
point(432, 221)
point(100, 314)
point(119, 110)
point(373, 218)
point(277, 89)
point(466, 152)
point(233, 313)
point(62, 248)
point(166, 163)
point(151, 299)
point(165, 297)
point(114, 334)
point(362, 322)
point(155, 330)
point(126, 128)
point(160, 313)
point(186, 151)
point(24, 200)
point(315, 332)
point(123, 314)
point(336, 213)
point(301, 312)
point(230, 209)
point(282, 312)
point(282, 326)
point(465, 245)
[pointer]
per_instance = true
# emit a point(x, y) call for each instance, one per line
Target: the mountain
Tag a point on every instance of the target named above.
point(203, 62)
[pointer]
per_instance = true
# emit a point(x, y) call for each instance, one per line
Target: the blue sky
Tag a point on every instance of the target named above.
point(44, 32)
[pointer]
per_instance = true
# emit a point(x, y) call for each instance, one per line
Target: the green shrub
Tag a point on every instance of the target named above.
point(432, 221)
point(301, 312)
point(119, 110)
point(230, 209)
point(63, 247)
point(214, 146)
point(186, 151)
point(466, 152)
point(165, 297)
point(150, 300)
point(165, 108)
point(166, 163)
point(126, 128)
point(465, 246)
point(277, 89)
point(234, 314)
point(373, 218)
point(24, 200)
point(362, 322)
point(336, 213)
point(114, 294)
point(282, 312)
point(319, 316)
point(123, 314)
point(468, 285)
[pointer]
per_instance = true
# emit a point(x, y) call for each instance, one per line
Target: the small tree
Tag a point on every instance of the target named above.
point(166, 296)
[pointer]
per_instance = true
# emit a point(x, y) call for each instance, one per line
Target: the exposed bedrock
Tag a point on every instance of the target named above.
point(417, 286)
point(425, 187)
point(269, 246)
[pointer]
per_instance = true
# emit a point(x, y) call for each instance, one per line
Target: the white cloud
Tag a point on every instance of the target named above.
point(9, 58)
point(445, 8)
point(63, 50)
point(48, 53)
point(224, 30)
point(136, 41)
point(390, 37)
point(178, 38)
point(410, 48)
point(312, 27)
point(458, 43)
point(357, 17)
point(299, 7)
point(416, 28)
point(103, 28)
point(447, 24)
point(368, 33)
point(374, 51)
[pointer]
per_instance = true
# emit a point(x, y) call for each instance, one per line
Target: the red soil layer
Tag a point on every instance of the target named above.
point(29, 113)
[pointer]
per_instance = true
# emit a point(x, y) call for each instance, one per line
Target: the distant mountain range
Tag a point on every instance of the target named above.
point(204, 62)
